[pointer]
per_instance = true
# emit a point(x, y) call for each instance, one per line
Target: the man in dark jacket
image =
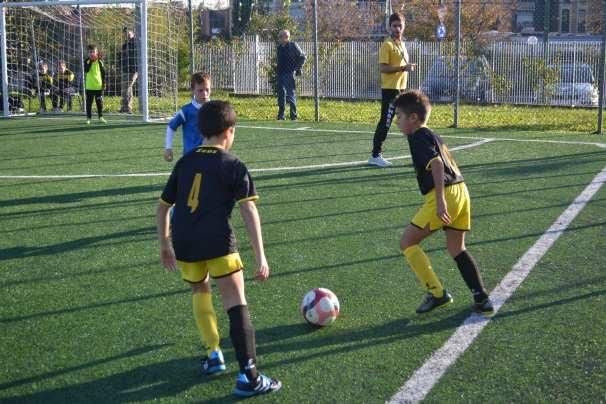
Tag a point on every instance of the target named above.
point(128, 59)
point(290, 62)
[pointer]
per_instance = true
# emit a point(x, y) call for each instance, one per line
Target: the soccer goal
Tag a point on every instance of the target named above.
point(44, 45)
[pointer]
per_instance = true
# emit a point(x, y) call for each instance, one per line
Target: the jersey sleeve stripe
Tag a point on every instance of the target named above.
point(163, 202)
point(250, 198)
point(428, 166)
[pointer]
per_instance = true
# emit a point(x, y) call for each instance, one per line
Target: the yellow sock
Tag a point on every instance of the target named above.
point(421, 266)
point(206, 321)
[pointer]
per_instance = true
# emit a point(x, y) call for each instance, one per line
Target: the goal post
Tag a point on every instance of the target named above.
point(38, 37)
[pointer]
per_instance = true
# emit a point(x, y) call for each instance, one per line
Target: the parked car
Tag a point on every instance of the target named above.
point(576, 86)
point(475, 84)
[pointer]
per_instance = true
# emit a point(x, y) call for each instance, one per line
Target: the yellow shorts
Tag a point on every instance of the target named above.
point(219, 267)
point(458, 205)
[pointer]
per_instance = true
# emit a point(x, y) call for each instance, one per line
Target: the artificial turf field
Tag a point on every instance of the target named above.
point(88, 315)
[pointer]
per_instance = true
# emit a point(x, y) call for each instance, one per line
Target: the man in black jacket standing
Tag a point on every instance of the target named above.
point(290, 62)
point(128, 59)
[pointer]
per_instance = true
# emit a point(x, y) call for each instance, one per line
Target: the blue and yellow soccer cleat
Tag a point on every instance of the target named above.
point(431, 302)
point(102, 120)
point(262, 385)
point(213, 364)
point(88, 121)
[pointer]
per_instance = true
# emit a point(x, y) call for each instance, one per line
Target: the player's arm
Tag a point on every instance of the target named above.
point(173, 125)
point(250, 215)
point(168, 144)
point(167, 254)
point(437, 172)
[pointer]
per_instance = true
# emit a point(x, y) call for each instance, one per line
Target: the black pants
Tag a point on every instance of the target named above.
point(96, 95)
point(388, 96)
point(63, 95)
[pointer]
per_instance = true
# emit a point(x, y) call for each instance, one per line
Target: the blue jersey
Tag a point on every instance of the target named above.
point(188, 117)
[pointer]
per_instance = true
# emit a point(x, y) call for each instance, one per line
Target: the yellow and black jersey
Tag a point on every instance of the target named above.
point(426, 146)
point(204, 187)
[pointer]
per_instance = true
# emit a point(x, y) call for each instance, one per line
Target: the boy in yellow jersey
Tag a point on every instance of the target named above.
point(204, 187)
point(394, 65)
point(64, 79)
point(446, 206)
point(94, 83)
point(46, 86)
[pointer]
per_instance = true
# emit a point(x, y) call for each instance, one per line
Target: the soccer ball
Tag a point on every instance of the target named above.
point(320, 307)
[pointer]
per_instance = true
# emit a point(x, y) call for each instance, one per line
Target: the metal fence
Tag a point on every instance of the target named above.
point(556, 73)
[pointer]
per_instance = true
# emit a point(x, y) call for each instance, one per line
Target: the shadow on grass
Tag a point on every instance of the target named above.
point(81, 196)
point(91, 306)
point(72, 245)
point(142, 384)
point(541, 306)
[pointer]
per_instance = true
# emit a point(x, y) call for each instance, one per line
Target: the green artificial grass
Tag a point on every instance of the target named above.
point(88, 314)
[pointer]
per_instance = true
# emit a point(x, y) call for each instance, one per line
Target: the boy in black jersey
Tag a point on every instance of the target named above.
point(204, 186)
point(446, 206)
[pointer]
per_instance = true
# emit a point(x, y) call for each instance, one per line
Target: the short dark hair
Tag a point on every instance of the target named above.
point(91, 47)
point(199, 78)
point(414, 101)
point(397, 17)
point(215, 117)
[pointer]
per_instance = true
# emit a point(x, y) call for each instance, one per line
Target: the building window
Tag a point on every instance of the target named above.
point(565, 21)
point(581, 16)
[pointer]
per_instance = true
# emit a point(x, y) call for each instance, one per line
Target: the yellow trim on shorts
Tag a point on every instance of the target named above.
point(195, 272)
point(163, 202)
point(458, 202)
point(250, 198)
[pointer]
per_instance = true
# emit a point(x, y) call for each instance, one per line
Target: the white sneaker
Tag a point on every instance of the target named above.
point(378, 161)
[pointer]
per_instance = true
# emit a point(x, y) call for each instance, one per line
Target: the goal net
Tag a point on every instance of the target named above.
point(45, 45)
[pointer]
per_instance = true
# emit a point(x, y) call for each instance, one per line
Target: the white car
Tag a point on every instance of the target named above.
point(576, 86)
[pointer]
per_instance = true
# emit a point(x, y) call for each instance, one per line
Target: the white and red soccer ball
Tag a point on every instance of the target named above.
point(320, 307)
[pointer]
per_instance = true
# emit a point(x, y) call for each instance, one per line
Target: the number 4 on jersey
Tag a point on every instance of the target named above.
point(194, 193)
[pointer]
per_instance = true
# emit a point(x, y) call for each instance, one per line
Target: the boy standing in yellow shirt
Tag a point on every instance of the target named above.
point(394, 65)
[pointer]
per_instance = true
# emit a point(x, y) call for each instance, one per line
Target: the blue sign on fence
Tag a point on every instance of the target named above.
point(441, 31)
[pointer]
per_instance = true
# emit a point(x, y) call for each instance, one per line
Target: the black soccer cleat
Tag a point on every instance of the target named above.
point(485, 308)
point(431, 302)
point(262, 385)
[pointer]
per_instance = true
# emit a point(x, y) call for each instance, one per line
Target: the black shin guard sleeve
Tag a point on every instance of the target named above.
point(242, 336)
point(471, 275)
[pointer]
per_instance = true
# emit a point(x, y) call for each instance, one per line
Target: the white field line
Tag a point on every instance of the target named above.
point(425, 377)
point(258, 170)
point(446, 136)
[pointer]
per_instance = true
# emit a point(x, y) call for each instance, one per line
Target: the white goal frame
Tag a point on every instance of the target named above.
point(142, 35)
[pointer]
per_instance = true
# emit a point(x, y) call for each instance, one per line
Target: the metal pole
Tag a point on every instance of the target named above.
point(5, 109)
point(601, 72)
point(82, 58)
point(316, 62)
point(457, 65)
point(36, 63)
point(192, 62)
point(546, 29)
point(144, 84)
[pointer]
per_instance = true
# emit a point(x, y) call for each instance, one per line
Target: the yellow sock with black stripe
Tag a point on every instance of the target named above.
point(421, 266)
point(206, 321)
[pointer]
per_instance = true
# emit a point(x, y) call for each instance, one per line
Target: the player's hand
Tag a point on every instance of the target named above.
point(263, 271)
point(168, 155)
point(442, 208)
point(167, 256)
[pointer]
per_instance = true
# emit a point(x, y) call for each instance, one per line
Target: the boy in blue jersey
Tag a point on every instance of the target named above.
point(188, 117)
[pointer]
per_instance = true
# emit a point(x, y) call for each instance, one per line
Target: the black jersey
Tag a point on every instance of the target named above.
point(204, 187)
point(425, 146)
